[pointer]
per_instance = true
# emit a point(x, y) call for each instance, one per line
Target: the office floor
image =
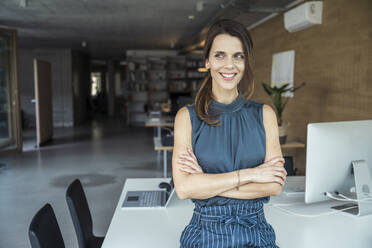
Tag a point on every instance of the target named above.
point(102, 155)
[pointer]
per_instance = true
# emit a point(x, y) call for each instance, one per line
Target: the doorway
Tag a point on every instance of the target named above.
point(43, 102)
point(98, 94)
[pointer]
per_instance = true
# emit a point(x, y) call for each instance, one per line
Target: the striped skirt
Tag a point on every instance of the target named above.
point(235, 226)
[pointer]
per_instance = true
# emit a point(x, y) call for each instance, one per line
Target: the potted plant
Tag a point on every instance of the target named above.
point(276, 94)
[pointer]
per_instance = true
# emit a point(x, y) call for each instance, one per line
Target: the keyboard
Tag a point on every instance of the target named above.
point(151, 198)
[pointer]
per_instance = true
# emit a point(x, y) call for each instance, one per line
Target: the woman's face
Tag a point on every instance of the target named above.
point(226, 61)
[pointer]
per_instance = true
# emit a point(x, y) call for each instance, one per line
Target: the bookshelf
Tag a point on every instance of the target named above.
point(152, 81)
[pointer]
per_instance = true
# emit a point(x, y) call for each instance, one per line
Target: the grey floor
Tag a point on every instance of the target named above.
point(102, 155)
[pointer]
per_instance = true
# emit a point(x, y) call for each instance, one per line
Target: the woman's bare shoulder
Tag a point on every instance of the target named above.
point(269, 115)
point(182, 117)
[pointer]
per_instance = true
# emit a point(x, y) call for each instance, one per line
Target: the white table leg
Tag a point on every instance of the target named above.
point(165, 164)
point(159, 132)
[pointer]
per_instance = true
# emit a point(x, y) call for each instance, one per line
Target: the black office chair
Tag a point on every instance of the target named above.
point(81, 217)
point(44, 231)
point(288, 165)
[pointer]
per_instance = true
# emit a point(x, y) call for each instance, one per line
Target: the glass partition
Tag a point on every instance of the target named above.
point(9, 102)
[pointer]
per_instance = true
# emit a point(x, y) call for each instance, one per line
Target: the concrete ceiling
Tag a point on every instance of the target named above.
point(110, 27)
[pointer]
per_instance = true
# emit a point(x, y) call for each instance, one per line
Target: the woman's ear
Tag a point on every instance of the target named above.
point(207, 64)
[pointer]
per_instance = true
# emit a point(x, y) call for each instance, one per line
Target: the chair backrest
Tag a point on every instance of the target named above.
point(44, 231)
point(80, 213)
point(288, 165)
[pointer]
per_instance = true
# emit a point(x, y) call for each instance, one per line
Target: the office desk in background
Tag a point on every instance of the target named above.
point(158, 146)
point(158, 124)
point(288, 145)
point(163, 227)
point(169, 122)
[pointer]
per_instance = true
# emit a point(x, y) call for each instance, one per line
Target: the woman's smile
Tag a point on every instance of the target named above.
point(228, 76)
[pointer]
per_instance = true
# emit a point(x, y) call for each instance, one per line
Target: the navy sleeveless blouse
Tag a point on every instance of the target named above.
point(238, 142)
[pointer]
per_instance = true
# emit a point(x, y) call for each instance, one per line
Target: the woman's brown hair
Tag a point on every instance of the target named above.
point(204, 95)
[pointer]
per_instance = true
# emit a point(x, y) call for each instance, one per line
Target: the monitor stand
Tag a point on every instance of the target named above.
point(363, 187)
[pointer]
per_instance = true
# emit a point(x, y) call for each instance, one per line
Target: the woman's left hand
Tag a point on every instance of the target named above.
point(189, 162)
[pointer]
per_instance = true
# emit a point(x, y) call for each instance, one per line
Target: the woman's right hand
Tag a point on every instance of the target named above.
point(189, 162)
point(269, 172)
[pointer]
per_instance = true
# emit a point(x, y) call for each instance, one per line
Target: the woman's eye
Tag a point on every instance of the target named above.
point(219, 55)
point(239, 56)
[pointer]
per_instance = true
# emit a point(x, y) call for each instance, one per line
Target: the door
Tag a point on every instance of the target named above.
point(43, 102)
point(10, 116)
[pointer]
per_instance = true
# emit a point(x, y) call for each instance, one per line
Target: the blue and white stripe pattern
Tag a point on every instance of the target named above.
point(232, 225)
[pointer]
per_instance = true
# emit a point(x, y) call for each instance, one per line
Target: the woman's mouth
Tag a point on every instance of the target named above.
point(228, 76)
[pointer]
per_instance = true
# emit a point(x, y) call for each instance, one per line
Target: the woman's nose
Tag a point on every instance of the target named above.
point(229, 62)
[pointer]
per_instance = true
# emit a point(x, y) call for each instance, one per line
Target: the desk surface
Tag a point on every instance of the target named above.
point(163, 122)
point(159, 147)
point(293, 144)
point(163, 227)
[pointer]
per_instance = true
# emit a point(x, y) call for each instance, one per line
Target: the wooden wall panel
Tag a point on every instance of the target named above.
point(334, 59)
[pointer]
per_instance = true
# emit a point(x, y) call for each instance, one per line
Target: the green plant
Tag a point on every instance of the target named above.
point(276, 94)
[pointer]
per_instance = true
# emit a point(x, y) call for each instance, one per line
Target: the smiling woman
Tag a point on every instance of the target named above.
point(226, 155)
point(228, 54)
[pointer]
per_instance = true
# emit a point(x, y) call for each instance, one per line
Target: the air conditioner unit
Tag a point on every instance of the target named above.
point(303, 16)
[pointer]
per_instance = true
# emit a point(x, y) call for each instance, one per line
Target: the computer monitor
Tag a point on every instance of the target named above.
point(331, 148)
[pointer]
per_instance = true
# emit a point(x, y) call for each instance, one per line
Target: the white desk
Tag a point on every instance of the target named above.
point(163, 227)
point(147, 227)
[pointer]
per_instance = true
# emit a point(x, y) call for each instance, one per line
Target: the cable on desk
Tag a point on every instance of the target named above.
point(347, 199)
point(369, 198)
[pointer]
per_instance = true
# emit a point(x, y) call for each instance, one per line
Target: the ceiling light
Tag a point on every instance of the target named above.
point(23, 3)
point(83, 43)
point(199, 6)
point(224, 6)
point(191, 17)
point(202, 69)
